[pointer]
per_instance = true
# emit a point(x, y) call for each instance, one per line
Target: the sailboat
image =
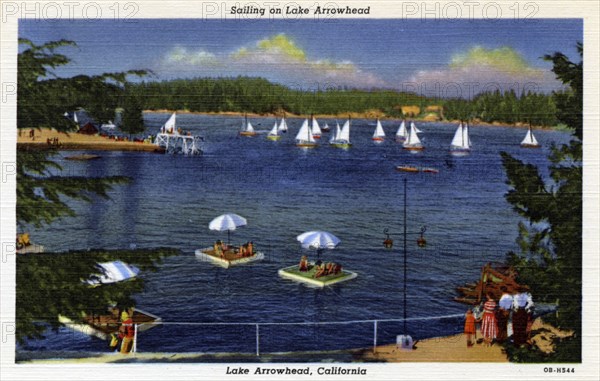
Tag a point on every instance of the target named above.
point(316, 130)
point(274, 133)
point(461, 143)
point(325, 128)
point(401, 134)
point(282, 125)
point(379, 134)
point(530, 141)
point(247, 129)
point(412, 142)
point(342, 138)
point(412, 124)
point(169, 127)
point(304, 138)
point(335, 135)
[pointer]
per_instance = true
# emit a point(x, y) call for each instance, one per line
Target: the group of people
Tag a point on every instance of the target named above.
point(245, 250)
point(511, 316)
point(322, 269)
point(52, 142)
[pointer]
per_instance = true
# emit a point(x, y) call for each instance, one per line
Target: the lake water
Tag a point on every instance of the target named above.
point(283, 191)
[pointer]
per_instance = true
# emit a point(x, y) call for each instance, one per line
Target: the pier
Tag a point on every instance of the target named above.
point(177, 143)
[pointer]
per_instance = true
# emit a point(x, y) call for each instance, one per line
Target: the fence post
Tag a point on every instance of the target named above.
point(257, 341)
point(134, 349)
point(374, 336)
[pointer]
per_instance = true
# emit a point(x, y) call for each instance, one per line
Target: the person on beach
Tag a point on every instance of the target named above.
point(126, 332)
point(503, 314)
point(522, 308)
point(303, 265)
point(489, 327)
point(470, 331)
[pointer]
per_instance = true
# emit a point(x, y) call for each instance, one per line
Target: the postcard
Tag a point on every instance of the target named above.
point(299, 190)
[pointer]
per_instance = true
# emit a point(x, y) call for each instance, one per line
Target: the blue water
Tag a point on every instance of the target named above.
point(283, 191)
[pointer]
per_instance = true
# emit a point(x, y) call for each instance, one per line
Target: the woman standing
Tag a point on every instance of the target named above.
point(489, 326)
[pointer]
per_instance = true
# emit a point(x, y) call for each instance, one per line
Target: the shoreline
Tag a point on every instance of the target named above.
point(354, 115)
point(450, 348)
point(73, 141)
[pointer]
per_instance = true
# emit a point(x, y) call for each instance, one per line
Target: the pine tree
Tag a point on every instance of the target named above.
point(550, 260)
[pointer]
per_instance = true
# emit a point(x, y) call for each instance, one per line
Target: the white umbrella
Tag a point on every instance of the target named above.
point(112, 272)
point(228, 221)
point(318, 240)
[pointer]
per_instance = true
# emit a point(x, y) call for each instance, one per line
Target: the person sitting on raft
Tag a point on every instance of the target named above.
point(242, 251)
point(320, 271)
point(303, 266)
point(249, 249)
point(337, 268)
point(329, 268)
point(218, 249)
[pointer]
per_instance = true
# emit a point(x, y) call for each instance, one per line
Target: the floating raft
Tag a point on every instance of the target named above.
point(231, 259)
point(102, 326)
point(307, 277)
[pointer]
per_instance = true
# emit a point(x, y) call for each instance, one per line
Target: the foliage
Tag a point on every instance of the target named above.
point(531, 108)
point(257, 95)
point(39, 191)
point(133, 121)
point(550, 259)
point(49, 284)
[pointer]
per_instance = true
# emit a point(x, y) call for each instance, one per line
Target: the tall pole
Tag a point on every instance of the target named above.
point(405, 180)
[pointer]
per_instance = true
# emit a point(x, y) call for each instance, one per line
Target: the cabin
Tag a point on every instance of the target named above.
point(88, 129)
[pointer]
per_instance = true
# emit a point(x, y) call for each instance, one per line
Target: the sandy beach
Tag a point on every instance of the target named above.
point(75, 141)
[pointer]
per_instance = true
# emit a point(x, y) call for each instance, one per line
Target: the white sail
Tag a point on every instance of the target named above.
point(305, 134)
point(458, 140)
point(249, 127)
point(530, 139)
point(345, 132)
point(316, 130)
point(413, 139)
point(169, 126)
point(412, 124)
point(274, 131)
point(379, 133)
point(336, 135)
point(402, 133)
point(466, 136)
point(283, 126)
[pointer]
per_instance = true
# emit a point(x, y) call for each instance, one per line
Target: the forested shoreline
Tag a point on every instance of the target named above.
point(259, 96)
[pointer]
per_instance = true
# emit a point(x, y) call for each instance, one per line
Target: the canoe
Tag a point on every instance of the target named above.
point(407, 168)
point(102, 326)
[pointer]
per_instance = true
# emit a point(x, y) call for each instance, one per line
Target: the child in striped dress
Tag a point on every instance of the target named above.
point(489, 326)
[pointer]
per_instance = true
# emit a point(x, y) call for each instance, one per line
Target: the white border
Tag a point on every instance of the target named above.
point(589, 369)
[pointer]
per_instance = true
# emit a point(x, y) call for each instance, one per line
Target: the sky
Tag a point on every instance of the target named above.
point(431, 57)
